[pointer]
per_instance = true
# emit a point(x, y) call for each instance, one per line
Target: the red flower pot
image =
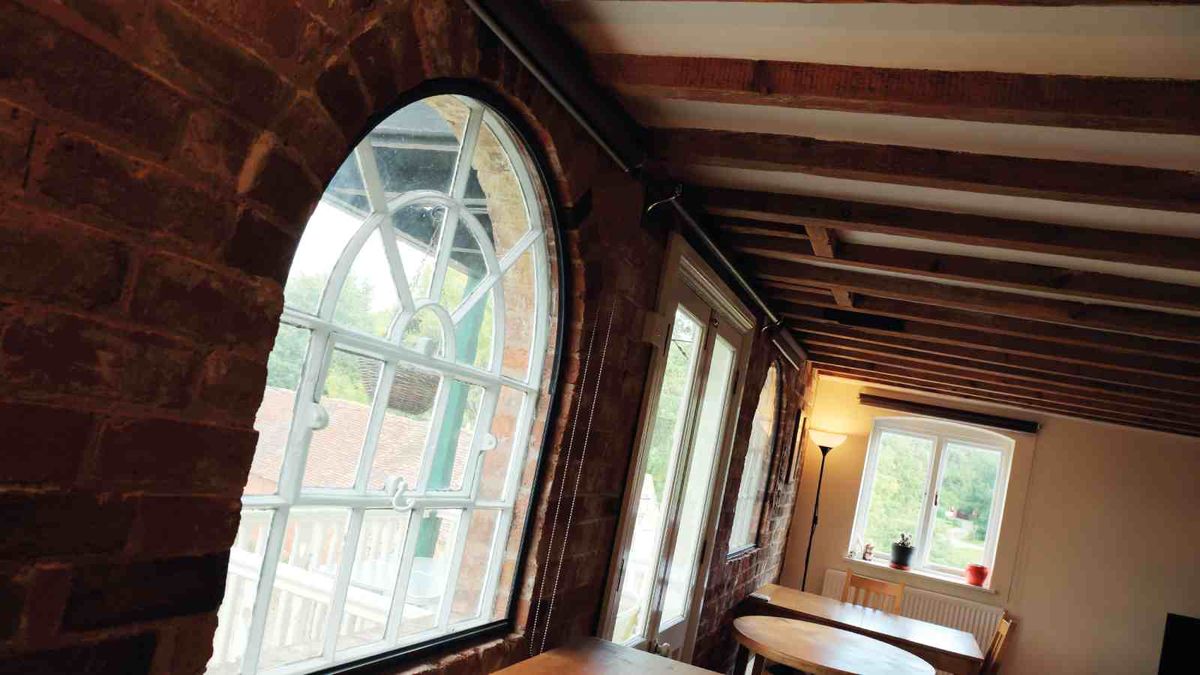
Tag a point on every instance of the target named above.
point(977, 574)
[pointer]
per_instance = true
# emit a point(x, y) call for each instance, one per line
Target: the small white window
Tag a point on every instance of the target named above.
point(397, 435)
point(941, 483)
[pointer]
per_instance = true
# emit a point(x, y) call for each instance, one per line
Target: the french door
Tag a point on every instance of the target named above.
point(677, 477)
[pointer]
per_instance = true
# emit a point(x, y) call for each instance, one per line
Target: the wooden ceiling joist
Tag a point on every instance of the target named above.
point(779, 273)
point(981, 321)
point(1116, 103)
point(1017, 275)
point(1020, 235)
point(933, 334)
point(940, 387)
point(1131, 186)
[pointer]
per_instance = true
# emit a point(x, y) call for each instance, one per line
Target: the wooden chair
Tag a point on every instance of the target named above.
point(991, 659)
point(886, 590)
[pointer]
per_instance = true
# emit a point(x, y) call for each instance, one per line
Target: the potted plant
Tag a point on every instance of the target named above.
point(902, 551)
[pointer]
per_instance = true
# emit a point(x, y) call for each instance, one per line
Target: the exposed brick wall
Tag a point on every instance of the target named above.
point(157, 163)
point(730, 580)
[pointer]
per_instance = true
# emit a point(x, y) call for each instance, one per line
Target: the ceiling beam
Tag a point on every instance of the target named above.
point(1015, 275)
point(981, 321)
point(1131, 186)
point(824, 244)
point(779, 273)
point(947, 388)
point(838, 322)
point(1116, 103)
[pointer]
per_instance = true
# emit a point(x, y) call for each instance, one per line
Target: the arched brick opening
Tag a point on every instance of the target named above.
point(157, 161)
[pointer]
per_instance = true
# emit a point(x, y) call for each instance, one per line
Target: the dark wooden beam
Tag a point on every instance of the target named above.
point(779, 273)
point(997, 325)
point(942, 388)
point(824, 244)
point(1011, 376)
point(1131, 186)
point(907, 373)
point(1119, 103)
point(1156, 250)
point(1016, 275)
point(944, 412)
point(838, 322)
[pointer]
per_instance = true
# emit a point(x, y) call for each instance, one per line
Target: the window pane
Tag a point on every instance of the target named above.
point(644, 549)
point(964, 505)
point(474, 568)
point(500, 187)
point(436, 531)
point(751, 492)
point(241, 586)
point(424, 333)
point(274, 419)
point(334, 450)
point(368, 302)
point(418, 229)
point(520, 316)
point(417, 146)
point(454, 437)
point(497, 462)
point(473, 335)
point(405, 429)
point(325, 238)
point(699, 480)
point(898, 489)
point(373, 578)
point(346, 190)
point(303, 590)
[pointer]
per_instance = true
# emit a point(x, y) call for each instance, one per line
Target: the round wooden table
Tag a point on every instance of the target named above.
point(822, 650)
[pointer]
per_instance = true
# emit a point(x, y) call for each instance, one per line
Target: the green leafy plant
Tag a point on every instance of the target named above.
point(905, 540)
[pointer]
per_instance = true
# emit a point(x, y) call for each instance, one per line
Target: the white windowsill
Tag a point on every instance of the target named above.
point(926, 576)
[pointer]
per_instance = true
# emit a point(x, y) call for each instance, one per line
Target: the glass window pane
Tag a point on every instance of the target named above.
point(274, 419)
point(497, 462)
point(473, 335)
point(241, 587)
point(346, 191)
point(898, 489)
point(373, 578)
point(964, 508)
point(436, 532)
point(325, 237)
point(493, 172)
point(475, 566)
point(424, 333)
point(454, 436)
point(368, 301)
point(418, 229)
point(404, 432)
point(417, 146)
point(520, 316)
point(751, 491)
point(698, 484)
point(303, 589)
point(644, 548)
point(334, 450)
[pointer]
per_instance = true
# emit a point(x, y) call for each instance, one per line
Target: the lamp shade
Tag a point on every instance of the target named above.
point(826, 439)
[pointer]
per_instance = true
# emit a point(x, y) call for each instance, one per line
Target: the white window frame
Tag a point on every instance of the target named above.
point(941, 433)
point(326, 335)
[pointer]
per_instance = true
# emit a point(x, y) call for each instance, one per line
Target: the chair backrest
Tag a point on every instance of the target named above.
point(991, 660)
point(890, 594)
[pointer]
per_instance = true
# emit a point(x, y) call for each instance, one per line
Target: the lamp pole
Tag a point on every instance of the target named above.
point(816, 506)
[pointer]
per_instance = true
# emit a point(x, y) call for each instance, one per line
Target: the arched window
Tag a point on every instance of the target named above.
point(752, 493)
point(397, 430)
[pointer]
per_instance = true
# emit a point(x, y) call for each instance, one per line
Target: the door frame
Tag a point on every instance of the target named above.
point(684, 273)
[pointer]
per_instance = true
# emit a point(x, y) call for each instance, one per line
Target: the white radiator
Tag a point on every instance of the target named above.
point(975, 618)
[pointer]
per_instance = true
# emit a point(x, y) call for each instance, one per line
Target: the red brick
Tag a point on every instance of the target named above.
point(224, 72)
point(97, 181)
point(50, 585)
point(56, 524)
point(183, 525)
point(373, 52)
point(311, 132)
point(117, 593)
point(120, 656)
point(193, 644)
point(164, 455)
point(42, 445)
point(111, 16)
point(274, 178)
point(291, 35)
point(13, 589)
point(342, 95)
point(76, 266)
point(177, 295)
point(232, 384)
point(16, 134)
point(260, 248)
point(39, 61)
point(215, 143)
point(55, 354)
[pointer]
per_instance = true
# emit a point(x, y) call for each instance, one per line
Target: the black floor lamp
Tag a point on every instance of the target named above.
point(826, 441)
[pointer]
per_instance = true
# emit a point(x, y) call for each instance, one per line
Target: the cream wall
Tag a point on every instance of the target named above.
point(1094, 490)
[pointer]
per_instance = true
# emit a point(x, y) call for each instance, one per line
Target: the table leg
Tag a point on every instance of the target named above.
point(741, 660)
point(760, 663)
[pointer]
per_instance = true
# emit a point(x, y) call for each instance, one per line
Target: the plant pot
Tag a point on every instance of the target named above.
point(977, 574)
point(901, 556)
